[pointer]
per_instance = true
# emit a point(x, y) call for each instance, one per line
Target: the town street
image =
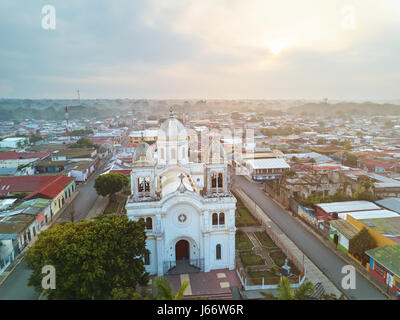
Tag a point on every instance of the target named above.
point(327, 261)
point(15, 286)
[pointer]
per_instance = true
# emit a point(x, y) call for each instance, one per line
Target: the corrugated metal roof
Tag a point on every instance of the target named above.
point(370, 214)
point(390, 203)
point(348, 206)
point(387, 256)
point(277, 163)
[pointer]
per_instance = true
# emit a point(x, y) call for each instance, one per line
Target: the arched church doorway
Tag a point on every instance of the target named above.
point(182, 250)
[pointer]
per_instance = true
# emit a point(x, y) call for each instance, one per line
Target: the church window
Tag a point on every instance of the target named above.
point(173, 153)
point(162, 153)
point(215, 219)
point(213, 181)
point(218, 252)
point(149, 223)
point(221, 218)
point(147, 258)
point(219, 180)
point(140, 184)
point(147, 184)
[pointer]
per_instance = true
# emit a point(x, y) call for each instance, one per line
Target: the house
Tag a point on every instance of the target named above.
point(81, 170)
point(57, 188)
point(49, 166)
point(74, 154)
point(21, 160)
point(148, 135)
point(59, 191)
point(335, 208)
point(341, 233)
point(384, 265)
point(14, 143)
point(41, 208)
point(266, 169)
point(16, 231)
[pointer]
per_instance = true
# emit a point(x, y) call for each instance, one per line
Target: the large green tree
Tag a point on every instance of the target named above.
point(360, 243)
point(110, 183)
point(90, 258)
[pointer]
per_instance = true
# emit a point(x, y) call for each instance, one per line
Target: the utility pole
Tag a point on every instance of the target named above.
point(79, 96)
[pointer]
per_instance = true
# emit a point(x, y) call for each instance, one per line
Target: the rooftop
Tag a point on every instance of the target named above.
point(277, 163)
point(390, 203)
point(348, 206)
point(369, 214)
point(387, 256)
point(386, 226)
point(344, 227)
point(15, 224)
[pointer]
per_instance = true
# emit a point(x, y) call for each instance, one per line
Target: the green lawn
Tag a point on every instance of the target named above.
point(265, 240)
point(112, 207)
point(243, 216)
point(245, 219)
point(242, 241)
point(279, 259)
point(251, 260)
point(269, 278)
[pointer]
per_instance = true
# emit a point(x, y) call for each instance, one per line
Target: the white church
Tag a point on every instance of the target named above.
point(187, 207)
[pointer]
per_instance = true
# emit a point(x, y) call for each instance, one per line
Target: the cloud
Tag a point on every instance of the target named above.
point(200, 49)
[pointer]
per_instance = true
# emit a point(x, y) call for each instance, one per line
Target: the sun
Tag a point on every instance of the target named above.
point(276, 46)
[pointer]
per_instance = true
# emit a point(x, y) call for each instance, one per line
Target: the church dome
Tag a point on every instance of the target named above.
point(143, 152)
point(172, 130)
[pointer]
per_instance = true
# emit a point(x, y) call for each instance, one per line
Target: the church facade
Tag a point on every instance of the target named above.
point(187, 208)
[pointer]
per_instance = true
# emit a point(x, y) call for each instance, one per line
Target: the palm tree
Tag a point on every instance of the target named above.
point(286, 292)
point(164, 290)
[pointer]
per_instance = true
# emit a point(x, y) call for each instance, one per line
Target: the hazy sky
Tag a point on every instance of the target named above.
point(340, 49)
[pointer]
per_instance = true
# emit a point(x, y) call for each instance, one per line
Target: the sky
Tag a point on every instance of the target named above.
point(201, 49)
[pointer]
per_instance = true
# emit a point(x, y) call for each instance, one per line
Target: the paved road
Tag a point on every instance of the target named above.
point(15, 286)
point(83, 202)
point(327, 261)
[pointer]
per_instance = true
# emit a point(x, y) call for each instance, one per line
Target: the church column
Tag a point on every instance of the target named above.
point(205, 249)
point(159, 245)
point(232, 244)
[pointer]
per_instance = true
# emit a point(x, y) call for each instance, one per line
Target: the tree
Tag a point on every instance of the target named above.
point(35, 138)
point(350, 159)
point(286, 292)
point(91, 258)
point(110, 183)
point(360, 243)
point(82, 143)
point(164, 290)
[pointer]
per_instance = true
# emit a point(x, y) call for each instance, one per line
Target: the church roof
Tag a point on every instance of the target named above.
point(143, 152)
point(172, 130)
point(171, 181)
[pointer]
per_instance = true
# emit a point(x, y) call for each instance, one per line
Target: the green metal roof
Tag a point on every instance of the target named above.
point(387, 256)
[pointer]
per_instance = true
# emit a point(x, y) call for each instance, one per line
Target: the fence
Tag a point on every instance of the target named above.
point(259, 214)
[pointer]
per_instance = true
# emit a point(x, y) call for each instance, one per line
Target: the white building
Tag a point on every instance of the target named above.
point(188, 210)
point(13, 143)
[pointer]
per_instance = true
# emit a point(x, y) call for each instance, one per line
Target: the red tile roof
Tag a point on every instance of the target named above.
point(129, 145)
point(13, 155)
point(48, 186)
